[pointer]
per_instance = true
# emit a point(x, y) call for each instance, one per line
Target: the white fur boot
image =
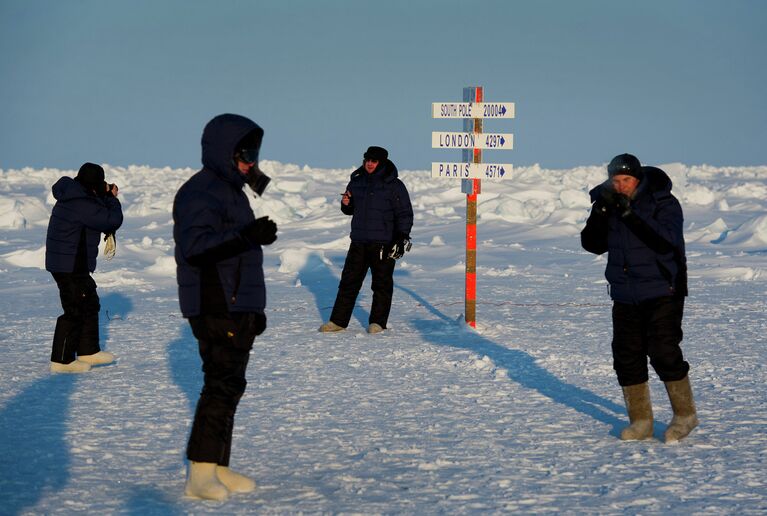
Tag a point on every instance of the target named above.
point(203, 482)
point(100, 358)
point(76, 366)
point(235, 482)
point(330, 327)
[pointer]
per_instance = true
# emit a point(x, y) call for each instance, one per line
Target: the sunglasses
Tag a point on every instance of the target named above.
point(247, 155)
point(371, 160)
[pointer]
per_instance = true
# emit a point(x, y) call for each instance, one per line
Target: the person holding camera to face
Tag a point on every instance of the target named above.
point(86, 207)
point(637, 220)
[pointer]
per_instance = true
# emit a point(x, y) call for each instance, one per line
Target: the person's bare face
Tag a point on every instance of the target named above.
point(624, 184)
point(244, 167)
point(370, 165)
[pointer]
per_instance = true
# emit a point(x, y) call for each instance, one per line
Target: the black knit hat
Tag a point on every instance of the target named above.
point(376, 153)
point(91, 176)
point(625, 165)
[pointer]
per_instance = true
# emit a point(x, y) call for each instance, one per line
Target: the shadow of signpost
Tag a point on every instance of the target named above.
point(521, 367)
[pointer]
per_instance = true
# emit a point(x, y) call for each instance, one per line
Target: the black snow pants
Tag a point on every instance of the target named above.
point(653, 329)
point(225, 342)
point(359, 259)
point(77, 330)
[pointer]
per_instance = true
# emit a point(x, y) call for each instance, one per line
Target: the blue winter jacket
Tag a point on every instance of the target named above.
point(78, 211)
point(645, 250)
point(380, 205)
point(209, 211)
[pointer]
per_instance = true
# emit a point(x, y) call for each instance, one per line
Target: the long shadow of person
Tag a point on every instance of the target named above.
point(35, 459)
point(521, 367)
point(147, 501)
point(115, 307)
point(143, 499)
point(186, 366)
point(317, 277)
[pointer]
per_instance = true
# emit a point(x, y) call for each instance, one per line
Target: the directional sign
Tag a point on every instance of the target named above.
point(445, 140)
point(472, 110)
point(471, 170)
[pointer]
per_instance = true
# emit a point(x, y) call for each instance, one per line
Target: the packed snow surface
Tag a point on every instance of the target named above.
point(520, 415)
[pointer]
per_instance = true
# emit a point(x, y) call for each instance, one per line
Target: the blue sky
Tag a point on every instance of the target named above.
point(134, 82)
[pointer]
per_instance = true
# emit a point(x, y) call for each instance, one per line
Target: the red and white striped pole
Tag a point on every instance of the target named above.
point(472, 188)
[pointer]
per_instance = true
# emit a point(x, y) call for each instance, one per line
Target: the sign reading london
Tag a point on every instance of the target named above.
point(449, 140)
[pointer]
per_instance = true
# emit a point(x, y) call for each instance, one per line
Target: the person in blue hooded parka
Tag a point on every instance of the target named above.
point(637, 220)
point(86, 207)
point(382, 217)
point(219, 269)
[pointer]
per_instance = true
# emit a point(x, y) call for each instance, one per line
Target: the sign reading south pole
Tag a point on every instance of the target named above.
point(472, 110)
point(452, 140)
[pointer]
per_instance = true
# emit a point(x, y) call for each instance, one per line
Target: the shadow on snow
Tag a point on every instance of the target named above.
point(317, 277)
point(186, 366)
point(521, 367)
point(35, 461)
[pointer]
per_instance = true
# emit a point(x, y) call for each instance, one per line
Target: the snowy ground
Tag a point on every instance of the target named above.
point(521, 415)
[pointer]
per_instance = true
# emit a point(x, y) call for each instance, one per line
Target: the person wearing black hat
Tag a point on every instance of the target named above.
point(382, 217)
point(222, 291)
point(637, 220)
point(86, 206)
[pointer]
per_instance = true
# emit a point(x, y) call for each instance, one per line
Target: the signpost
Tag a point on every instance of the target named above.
point(471, 170)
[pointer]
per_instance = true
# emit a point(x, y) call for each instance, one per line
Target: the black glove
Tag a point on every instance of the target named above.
point(259, 323)
point(399, 247)
point(261, 231)
point(600, 207)
point(610, 201)
point(605, 200)
point(622, 205)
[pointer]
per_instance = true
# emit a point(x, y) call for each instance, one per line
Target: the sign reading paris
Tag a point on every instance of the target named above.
point(472, 170)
